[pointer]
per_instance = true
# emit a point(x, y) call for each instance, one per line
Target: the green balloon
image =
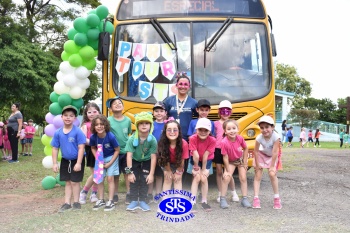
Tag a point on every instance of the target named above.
point(92, 20)
point(55, 109)
point(70, 47)
point(80, 25)
point(64, 100)
point(93, 43)
point(102, 11)
point(58, 180)
point(54, 97)
point(48, 150)
point(71, 33)
point(75, 60)
point(78, 103)
point(109, 27)
point(87, 53)
point(48, 182)
point(80, 39)
point(92, 12)
point(90, 64)
point(93, 34)
point(46, 140)
point(65, 56)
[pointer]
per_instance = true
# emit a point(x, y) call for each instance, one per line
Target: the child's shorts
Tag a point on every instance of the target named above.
point(90, 158)
point(218, 159)
point(113, 170)
point(122, 163)
point(159, 171)
point(290, 139)
point(23, 141)
point(29, 140)
point(209, 166)
point(68, 174)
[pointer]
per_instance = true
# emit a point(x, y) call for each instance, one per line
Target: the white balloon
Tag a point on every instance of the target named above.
point(75, 92)
point(84, 83)
point(70, 80)
point(59, 75)
point(82, 72)
point(60, 88)
point(66, 68)
point(82, 94)
point(47, 162)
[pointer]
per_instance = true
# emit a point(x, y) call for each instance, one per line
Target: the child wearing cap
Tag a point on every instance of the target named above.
point(29, 132)
point(202, 147)
point(141, 161)
point(121, 128)
point(266, 150)
point(203, 110)
point(71, 141)
point(159, 114)
point(22, 138)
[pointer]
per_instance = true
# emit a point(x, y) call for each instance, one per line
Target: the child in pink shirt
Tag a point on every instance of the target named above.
point(235, 154)
point(29, 132)
point(202, 147)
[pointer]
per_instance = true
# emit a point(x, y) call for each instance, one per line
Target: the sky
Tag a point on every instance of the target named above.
point(314, 37)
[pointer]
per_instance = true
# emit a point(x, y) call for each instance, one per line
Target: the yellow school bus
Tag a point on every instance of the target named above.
point(224, 46)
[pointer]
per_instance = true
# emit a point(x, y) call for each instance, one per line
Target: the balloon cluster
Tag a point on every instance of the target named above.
point(49, 182)
point(79, 59)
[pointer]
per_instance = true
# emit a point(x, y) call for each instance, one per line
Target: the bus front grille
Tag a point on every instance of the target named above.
point(234, 115)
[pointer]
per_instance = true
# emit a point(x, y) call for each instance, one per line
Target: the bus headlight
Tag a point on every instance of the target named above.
point(250, 133)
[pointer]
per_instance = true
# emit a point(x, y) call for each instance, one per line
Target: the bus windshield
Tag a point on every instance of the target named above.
point(235, 68)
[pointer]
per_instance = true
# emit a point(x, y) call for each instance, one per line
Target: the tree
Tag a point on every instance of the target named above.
point(325, 107)
point(288, 80)
point(303, 117)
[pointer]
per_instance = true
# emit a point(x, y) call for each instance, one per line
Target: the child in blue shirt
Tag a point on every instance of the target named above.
point(71, 141)
point(203, 110)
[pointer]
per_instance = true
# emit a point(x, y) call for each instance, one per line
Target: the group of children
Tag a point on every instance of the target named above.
point(26, 140)
point(157, 153)
point(303, 138)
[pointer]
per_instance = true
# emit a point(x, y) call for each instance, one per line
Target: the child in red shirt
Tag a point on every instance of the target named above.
point(29, 132)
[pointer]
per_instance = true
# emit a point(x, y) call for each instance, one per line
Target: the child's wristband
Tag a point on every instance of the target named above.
point(179, 172)
point(196, 168)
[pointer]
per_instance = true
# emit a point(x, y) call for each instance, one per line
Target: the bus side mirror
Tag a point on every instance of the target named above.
point(103, 46)
point(273, 44)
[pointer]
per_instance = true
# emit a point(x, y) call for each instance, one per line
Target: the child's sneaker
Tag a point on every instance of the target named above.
point(30, 154)
point(194, 208)
point(64, 208)
point(223, 203)
point(25, 154)
point(110, 205)
point(82, 198)
point(277, 203)
point(76, 206)
point(256, 203)
point(218, 199)
point(133, 206)
point(93, 198)
point(99, 204)
point(144, 206)
point(235, 197)
point(205, 206)
point(127, 199)
point(245, 202)
point(115, 198)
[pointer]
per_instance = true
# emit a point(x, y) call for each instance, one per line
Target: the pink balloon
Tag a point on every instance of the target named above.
point(76, 122)
point(49, 118)
point(50, 130)
point(57, 121)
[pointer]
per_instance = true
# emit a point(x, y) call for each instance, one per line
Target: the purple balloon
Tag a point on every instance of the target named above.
point(57, 121)
point(49, 118)
point(76, 122)
point(50, 130)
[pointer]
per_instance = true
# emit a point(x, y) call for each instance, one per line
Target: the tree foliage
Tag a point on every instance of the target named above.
point(303, 117)
point(288, 80)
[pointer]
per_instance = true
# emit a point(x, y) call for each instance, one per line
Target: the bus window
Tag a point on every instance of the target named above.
point(236, 67)
point(145, 36)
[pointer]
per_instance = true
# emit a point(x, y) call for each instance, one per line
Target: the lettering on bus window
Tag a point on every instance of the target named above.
point(191, 6)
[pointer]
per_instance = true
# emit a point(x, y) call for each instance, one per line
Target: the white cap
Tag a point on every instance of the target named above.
point(266, 119)
point(225, 104)
point(203, 123)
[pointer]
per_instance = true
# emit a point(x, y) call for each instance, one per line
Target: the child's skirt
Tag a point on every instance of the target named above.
point(265, 160)
point(7, 145)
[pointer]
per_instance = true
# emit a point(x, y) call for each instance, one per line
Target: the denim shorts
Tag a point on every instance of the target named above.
point(113, 170)
point(209, 162)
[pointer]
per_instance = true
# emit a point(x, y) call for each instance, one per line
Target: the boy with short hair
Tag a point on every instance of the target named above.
point(203, 110)
point(141, 161)
point(159, 114)
point(121, 128)
point(71, 141)
point(29, 132)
